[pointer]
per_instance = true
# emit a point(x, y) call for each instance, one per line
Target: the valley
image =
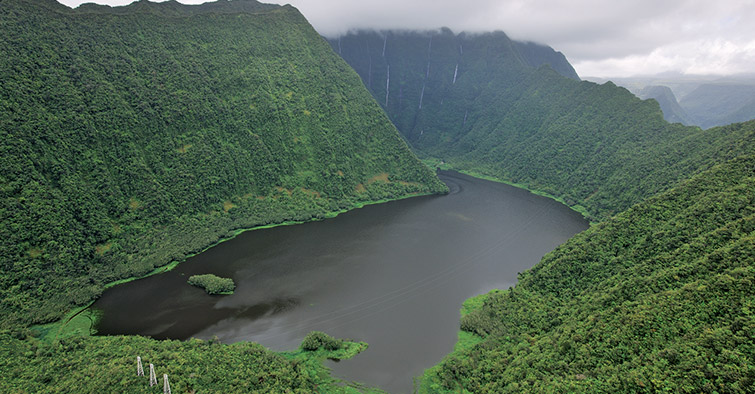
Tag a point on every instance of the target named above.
point(141, 143)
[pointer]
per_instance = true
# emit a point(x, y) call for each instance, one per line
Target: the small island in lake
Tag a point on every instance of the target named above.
point(213, 284)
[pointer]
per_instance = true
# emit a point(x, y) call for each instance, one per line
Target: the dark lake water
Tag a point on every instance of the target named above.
point(393, 275)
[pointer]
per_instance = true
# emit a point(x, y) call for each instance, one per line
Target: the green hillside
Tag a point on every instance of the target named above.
point(133, 136)
point(657, 299)
point(477, 104)
point(108, 364)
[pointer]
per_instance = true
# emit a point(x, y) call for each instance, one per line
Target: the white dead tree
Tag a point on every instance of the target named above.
point(166, 385)
point(139, 369)
point(152, 377)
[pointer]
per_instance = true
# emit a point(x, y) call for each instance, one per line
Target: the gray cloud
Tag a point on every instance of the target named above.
point(599, 37)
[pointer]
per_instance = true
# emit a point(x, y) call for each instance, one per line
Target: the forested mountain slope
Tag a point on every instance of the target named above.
point(132, 136)
point(473, 102)
point(657, 299)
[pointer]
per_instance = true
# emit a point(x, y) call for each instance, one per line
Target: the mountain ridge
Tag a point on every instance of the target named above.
point(477, 106)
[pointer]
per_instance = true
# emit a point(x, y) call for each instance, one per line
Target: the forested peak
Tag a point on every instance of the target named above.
point(168, 8)
point(174, 8)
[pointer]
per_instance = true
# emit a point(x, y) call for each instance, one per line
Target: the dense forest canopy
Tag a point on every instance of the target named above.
point(133, 136)
point(657, 299)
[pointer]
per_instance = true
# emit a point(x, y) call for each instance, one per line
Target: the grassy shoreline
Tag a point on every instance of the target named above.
point(437, 163)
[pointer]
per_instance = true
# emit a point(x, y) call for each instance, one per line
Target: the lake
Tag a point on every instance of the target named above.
point(393, 275)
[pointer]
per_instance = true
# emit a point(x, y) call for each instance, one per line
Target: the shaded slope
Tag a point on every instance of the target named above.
point(672, 112)
point(657, 299)
point(130, 138)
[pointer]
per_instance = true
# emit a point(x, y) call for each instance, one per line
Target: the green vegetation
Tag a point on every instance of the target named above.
point(656, 299)
point(213, 284)
point(108, 364)
point(319, 340)
point(132, 137)
point(594, 146)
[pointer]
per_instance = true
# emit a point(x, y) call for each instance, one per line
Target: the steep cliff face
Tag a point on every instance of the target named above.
point(132, 136)
point(537, 55)
point(426, 80)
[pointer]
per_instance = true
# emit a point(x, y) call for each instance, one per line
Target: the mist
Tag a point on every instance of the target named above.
point(600, 38)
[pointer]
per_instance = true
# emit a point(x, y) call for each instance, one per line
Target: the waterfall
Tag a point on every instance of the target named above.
point(385, 41)
point(465, 118)
point(430, 46)
point(387, 85)
point(427, 73)
point(461, 49)
point(421, 96)
point(456, 71)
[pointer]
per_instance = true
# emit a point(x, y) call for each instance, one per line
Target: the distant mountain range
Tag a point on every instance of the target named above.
point(696, 100)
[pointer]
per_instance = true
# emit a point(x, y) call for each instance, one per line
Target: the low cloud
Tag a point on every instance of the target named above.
point(600, 38)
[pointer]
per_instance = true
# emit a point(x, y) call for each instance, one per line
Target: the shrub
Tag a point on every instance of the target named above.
point(213, 284)
point(317, 339)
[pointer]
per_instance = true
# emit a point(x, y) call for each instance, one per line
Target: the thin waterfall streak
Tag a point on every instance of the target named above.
point(465, 118)
point(387, 85)
point(385, 41)
point(421, 96)
point(456, 71)
point(427, 73)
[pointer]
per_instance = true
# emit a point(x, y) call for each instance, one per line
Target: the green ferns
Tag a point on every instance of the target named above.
point(213, 284)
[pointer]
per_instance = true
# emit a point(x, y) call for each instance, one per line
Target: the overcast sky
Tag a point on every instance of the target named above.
point(604, 38)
